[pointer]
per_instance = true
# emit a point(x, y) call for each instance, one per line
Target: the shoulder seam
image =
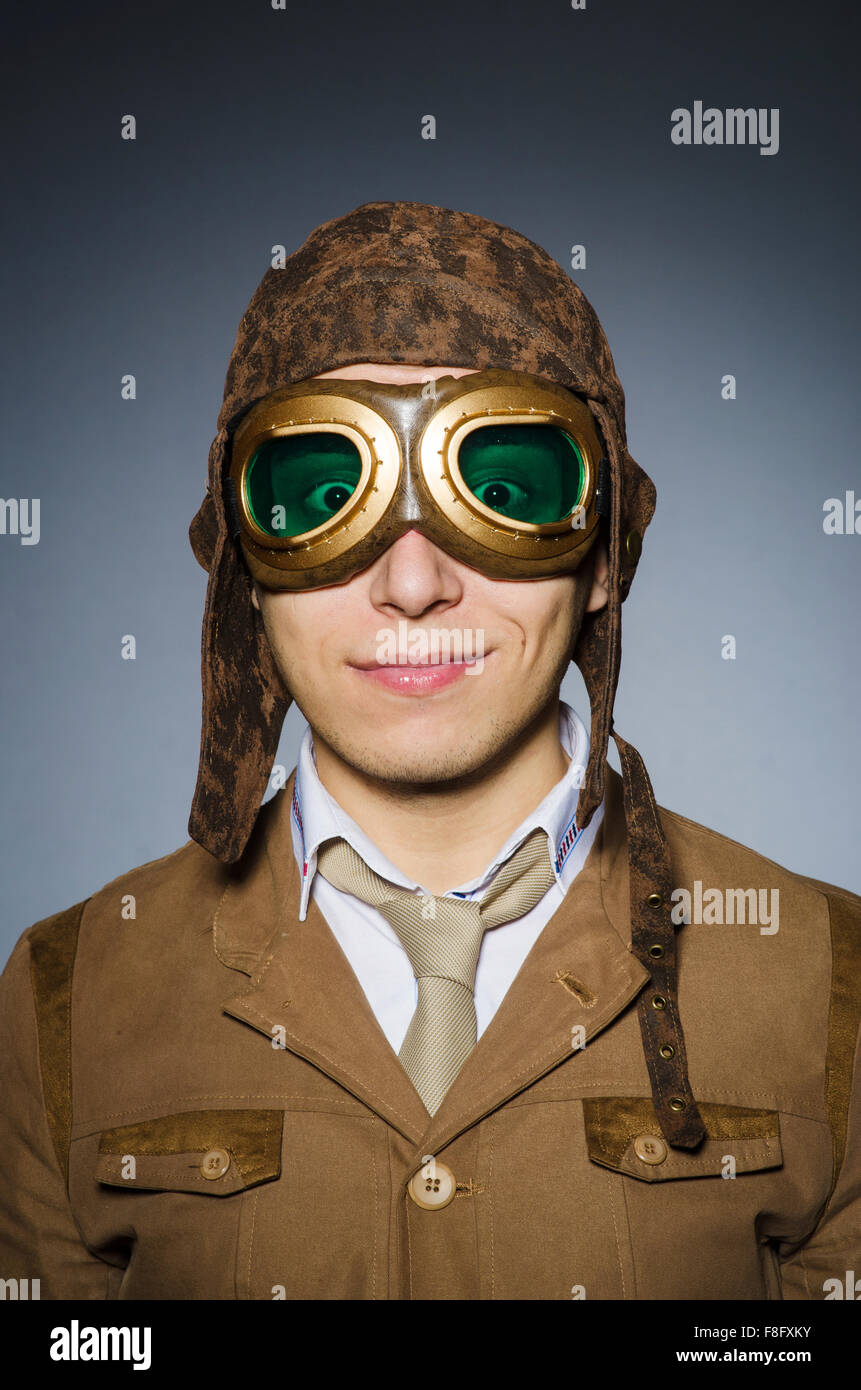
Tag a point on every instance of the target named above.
point(844, 1019)
point(818, 885)
point(139, 868)
point(53, 947)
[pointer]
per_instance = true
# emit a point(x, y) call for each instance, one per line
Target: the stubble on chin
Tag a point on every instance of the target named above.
point(401, 771)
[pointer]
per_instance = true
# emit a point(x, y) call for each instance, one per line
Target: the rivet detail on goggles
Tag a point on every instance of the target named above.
point(499, 468)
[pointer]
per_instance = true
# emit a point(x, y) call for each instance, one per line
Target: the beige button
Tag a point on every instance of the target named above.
point(433, 1186)
point(215, 1163)
point(650, 1148)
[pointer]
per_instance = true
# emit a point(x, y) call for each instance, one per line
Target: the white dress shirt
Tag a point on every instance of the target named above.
point(369, 942)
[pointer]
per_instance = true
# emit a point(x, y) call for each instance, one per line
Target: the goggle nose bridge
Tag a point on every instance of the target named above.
point(409, 415)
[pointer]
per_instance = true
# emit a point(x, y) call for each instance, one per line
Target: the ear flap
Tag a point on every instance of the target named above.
point(244, 697)
point(599, 645)
point(598, 650)
point(203, 532)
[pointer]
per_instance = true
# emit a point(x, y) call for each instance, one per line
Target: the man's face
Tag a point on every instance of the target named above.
point(388, 696)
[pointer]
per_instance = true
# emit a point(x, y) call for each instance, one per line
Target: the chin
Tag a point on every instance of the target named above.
point(411, 764)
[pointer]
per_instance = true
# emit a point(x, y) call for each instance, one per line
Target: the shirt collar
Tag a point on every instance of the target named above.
point(316, 816)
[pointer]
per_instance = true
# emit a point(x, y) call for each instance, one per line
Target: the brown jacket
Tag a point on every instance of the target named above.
point(199, 1102)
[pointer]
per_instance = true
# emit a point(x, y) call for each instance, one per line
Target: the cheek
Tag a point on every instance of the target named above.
point(553, 631)
point(284, 627)
point(548, 613)
point(302, 627)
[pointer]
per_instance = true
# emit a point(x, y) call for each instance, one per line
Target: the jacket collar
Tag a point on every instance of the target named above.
point(580, 971)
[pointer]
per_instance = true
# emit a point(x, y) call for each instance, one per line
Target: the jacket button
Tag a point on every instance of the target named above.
point(215, 1163)
point(433, 1186)
point(650, 1148)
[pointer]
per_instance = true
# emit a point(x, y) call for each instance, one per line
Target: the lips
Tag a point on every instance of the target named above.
point(417, 678)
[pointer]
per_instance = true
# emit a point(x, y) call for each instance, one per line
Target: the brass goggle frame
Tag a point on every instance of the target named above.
point(408, 437)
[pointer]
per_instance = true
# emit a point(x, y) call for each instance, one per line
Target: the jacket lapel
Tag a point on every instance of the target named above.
point(303, 984)
point(580, 971)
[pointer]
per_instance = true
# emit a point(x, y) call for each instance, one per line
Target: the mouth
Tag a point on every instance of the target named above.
point(417, 678)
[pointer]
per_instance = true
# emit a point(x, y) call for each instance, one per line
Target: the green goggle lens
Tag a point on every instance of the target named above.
point(298, 482)
point(531, 473)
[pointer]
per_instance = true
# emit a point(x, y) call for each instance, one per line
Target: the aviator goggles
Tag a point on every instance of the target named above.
point(501, 469)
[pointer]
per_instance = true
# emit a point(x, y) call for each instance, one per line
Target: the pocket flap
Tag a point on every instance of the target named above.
point(622, 1132)
point(215, 1152)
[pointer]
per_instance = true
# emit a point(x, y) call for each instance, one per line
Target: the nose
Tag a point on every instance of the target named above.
point(413, 576)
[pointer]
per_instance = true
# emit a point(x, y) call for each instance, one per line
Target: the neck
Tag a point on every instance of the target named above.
point(442, 835)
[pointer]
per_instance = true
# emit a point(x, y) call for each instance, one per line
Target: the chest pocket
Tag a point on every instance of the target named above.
point(623, 1133)
point(213, 1152)
point(300, 1210)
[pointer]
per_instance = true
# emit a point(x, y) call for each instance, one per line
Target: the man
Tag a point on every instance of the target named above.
point(459, 1013)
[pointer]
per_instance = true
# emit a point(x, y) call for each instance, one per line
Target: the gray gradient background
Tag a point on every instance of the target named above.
point(254, 127)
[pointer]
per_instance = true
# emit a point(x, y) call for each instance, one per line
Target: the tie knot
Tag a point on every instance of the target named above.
point(442, 935)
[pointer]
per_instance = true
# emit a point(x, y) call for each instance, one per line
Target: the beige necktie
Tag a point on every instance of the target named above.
point(442, 937)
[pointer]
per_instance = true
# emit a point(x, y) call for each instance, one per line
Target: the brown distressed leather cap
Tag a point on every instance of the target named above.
point(394, 282)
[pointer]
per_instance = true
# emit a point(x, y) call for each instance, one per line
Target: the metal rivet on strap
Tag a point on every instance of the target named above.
point(676, 1103)
point(654, 900)
point(659, 1002)
point(667, 1051)
point(634, 545)
point(657, 951)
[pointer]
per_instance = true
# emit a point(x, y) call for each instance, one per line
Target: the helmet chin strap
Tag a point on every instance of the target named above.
point(653, 942)
point(653, 939)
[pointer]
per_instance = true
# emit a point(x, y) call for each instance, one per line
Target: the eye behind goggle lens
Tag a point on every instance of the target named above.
point(531, 473)
point(295, 483)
